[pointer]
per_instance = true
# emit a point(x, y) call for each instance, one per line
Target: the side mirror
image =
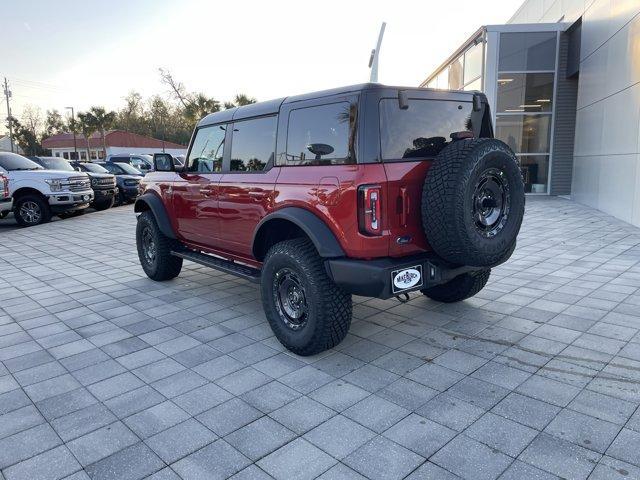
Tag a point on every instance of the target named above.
point(320, 149)
point(163, 162)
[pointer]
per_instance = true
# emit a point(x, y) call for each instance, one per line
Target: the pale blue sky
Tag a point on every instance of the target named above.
point(83, 53)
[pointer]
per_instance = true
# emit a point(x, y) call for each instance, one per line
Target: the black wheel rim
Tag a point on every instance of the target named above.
point(290, 299)
point(30, 212)
point(491, 202)
point(148, 246)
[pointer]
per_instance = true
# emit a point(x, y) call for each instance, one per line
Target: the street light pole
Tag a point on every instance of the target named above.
point(75, 143)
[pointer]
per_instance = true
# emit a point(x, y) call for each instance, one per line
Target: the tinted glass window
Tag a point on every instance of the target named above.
point(423, 129)
point(13, 161)
point(525, 133)
point(208, 146)
point(320, 135)
point(114, 168)
point(525, 92)
point(92, 167)
point(527, 51)
point(455, 74)
point(472, 63)
point(253, 144)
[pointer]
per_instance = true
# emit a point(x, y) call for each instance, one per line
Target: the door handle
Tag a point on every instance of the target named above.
point(207, 192)
point(257, 195)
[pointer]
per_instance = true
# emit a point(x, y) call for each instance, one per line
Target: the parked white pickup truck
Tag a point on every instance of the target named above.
point(38, 193)
point(6, 202)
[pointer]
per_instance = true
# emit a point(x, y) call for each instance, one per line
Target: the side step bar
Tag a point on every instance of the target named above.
point(226, 266)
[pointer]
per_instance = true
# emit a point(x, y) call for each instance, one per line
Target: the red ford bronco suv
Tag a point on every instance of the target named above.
point(366, 190)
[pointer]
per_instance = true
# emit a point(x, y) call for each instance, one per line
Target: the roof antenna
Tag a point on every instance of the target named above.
point(375, 54)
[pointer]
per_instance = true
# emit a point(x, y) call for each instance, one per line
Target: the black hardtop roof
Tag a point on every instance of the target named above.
point(273, 106)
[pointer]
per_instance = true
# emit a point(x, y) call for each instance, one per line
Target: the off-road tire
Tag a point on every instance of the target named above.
point(460, 288)
point(448, 202)
point(43, 206)
point(329, 307)
point(104, 204)
point(164, 266)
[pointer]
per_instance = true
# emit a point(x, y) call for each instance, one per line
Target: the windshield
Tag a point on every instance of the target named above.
point(92, 167)
point(53, 163)
point(13, 161)
point(129, 169)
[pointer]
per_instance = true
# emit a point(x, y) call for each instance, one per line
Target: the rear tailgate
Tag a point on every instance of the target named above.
point(410, 139)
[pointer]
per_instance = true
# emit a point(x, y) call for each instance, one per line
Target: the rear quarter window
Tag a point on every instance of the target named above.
point(422, 130)
point(321, 135)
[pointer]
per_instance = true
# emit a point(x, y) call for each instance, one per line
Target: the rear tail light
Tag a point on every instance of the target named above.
point(4, 186)
point(369, 211)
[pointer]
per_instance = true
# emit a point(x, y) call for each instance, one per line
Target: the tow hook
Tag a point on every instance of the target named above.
point(403, 297)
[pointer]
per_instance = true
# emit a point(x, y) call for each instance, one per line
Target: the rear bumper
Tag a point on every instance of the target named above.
point(375, 278)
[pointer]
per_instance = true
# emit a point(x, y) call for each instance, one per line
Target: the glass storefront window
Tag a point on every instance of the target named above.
point(535, 172)
point(442, 80)
point(526, 51)
point(473, 63)
point(525, 92)
point(524, 133)
point(455, 74)
point(475, 85)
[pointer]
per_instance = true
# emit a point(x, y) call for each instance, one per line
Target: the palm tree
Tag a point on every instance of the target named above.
point(200, 106)
point(242, 99)
point(88, 126)
point(103, 120)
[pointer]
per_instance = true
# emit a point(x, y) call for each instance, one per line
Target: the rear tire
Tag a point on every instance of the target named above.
point(30, 210)
point(154, 250)
point(308, 313)
point(460, 288)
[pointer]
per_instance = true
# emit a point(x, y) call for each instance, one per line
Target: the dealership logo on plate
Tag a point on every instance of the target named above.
point(406, 278)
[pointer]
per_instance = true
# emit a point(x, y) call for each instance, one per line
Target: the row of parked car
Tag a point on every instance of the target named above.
point(36, 188)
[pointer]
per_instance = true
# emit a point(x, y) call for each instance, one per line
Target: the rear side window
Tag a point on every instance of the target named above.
point(320, 135)
point(207, 149)
point(423, 129)
point(253, 144)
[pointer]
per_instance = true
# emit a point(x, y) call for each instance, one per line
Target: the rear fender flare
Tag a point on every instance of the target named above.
point(317, 230)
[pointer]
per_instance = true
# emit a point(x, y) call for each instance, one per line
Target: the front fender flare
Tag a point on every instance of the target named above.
point(150, 201)
point(317, 230)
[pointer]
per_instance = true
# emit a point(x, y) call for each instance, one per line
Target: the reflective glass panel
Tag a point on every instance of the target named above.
point(527, 51)
point(208, 146)
point(455, 74)
point(529, 92)
point(253, 144)
point(535, 172)
point(473, 63)
point(524, 133)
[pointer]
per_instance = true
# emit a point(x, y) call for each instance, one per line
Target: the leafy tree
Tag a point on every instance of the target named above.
point(88, 126)
point(200, 106)
point(24, 137)
point(103, 121)
point(54, 123)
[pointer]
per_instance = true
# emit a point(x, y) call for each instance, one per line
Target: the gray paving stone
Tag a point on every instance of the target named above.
point(626, 447)
point(431, 471)
point(243, 380)
point(306, 379)
point(376, 413)
point(302, 414)
point(339, 436)
point(26, 444)
point(297, 460)
point(341, 472)
point(588, 432)
point(19, 419)
point(371, 378)
point(229, 416)
point(51, 387)
point(216, 461)
point(547, 390)
point(502, 434)
point(560, 457)
point(603, 406)
point(450, 411)
point(614, 469)
point(132, 463)
point(180, 440)
point(101, 443)
point(202, 398)
point(382, 459)
point(82, 421)
point(525, 410)
point(520, 470)
point(478, 462)
point(339, 395)
point(435, 376)
point(52, 464)
point(114, 386)
point(420, 435)
point(155, 419)
point(259, 438)
point(251, 473)
point(13, 400)
point(179, 383)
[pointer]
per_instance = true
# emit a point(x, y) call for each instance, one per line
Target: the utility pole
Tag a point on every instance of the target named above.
point(163, 132)
point(75, 142)
point(7, 95)
point(375, 54)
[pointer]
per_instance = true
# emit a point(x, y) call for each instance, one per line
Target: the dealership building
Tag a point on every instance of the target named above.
point(563, 81)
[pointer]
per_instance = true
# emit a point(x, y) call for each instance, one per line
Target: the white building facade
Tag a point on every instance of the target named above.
point(563, 81)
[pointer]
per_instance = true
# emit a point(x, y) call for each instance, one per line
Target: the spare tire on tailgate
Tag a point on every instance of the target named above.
point(473, 202)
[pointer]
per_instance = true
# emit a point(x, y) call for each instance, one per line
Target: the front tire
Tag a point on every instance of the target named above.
point(308, 313)
point(154, 250)
point(460, 288)
point(31, 210)
point(104, 204)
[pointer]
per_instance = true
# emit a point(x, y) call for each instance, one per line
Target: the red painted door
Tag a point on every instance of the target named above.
point(195, 203)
